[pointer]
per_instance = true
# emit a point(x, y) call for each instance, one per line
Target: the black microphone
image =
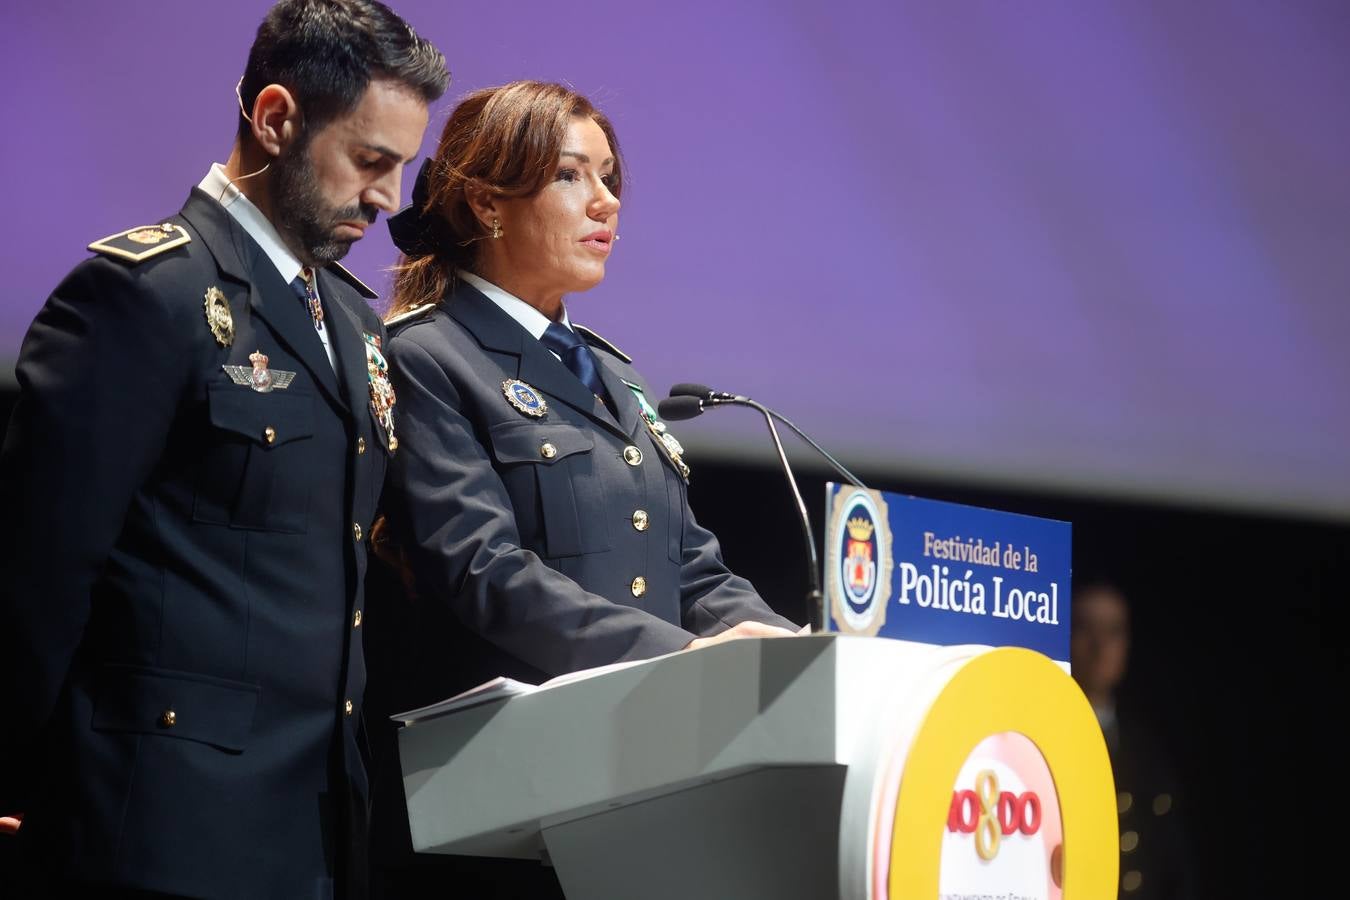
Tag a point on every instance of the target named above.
point(687, 400)
point(677, 409)
point(684, 389)
point(703, 392)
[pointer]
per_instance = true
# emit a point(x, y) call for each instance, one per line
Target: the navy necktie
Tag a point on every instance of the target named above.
point(574, 353)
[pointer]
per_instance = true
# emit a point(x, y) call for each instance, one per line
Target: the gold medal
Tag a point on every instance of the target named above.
point(660, 434)
point(382, 398)
point(218, 317)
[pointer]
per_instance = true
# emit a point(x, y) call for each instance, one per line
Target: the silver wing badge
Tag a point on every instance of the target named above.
point(260, 378)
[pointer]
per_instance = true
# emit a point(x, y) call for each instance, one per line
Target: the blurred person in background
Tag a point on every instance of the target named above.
point(1155, 862)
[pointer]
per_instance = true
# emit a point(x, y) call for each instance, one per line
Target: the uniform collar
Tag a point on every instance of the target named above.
point(534, 364)
point(251, 219)
point(531, 319)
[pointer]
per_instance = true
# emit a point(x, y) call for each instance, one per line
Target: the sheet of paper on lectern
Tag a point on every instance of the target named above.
point(500, 688)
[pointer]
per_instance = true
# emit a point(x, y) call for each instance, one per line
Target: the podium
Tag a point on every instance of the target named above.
point(810, 767)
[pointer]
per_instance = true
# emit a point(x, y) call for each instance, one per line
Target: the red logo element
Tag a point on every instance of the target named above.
point(992, 814)
point(860, 568)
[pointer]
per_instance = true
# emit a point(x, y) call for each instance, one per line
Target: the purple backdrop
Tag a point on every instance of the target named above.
point(1086, 246)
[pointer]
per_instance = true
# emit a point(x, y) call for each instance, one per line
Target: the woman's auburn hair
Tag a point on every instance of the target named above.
point(505, 140)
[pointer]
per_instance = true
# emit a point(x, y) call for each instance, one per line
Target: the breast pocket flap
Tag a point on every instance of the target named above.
point(527, 442)
point(270, 420)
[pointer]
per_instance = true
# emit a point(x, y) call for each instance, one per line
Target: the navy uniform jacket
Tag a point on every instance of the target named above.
point(184, 559)
point(565, 539)
point(531, 532)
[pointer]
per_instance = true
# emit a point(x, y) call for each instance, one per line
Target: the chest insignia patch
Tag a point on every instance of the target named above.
point(524, 398)
point(260, 378)
point(218, 317)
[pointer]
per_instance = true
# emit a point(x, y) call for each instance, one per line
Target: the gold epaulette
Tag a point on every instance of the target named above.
point(142, 242)
point(600, 342)
point(361, 287)
point(408, 314)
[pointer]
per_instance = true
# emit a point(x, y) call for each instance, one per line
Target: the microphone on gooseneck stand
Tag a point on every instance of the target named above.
point(689, 400)
point(676, 409)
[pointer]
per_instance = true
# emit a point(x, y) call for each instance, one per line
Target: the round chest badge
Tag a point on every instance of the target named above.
point(524, 398)
point(858, 562)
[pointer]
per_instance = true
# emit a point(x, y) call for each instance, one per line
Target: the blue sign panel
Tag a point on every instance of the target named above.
point(943, 573)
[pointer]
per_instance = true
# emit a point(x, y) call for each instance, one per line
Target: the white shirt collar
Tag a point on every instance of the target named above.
point(251, 219)
point(531, 319)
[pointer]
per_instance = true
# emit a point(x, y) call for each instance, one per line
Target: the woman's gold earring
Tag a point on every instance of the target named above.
point(496, 229)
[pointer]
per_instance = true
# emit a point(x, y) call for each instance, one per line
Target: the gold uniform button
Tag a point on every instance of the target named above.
point(393, 443)
point(639, 586)
point(547, 450)
point(360, 446)
point(347, 708)
point(356, 619)
point(356, 530)
point(270, 434)
point(168, 719)
point(1131, 881)
point(1128, 841)
point(641, 521)
point(632, 455)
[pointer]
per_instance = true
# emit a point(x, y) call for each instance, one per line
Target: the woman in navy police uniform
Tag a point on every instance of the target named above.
point(541, 511)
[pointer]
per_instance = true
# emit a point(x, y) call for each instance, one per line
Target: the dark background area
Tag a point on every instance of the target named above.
point(1238, 646)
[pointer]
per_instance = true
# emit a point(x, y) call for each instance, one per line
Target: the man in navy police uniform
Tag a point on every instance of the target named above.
point(188, 479)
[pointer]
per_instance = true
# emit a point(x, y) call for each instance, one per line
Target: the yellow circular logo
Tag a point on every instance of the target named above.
point(1006, 774)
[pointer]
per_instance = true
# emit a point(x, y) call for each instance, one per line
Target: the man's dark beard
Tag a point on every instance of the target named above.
point(302, 212)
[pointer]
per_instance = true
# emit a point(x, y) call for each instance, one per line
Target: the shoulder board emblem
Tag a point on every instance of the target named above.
point(361, 287)
point(593, 338)
point(142, 242)
point(409, 314)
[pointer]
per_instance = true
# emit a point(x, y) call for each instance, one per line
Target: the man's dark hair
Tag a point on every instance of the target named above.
point(326, 52)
